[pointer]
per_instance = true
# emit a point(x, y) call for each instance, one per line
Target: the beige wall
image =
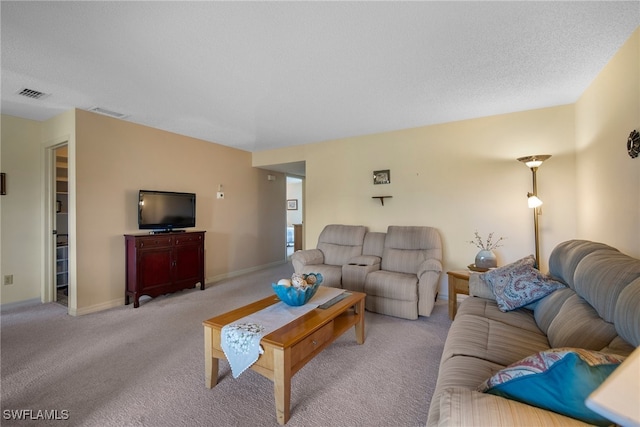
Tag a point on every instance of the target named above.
point(463, 176)
point(458, 177)
point(608, 178)
point(115, 159)
point(20, 209)
point(109, 161)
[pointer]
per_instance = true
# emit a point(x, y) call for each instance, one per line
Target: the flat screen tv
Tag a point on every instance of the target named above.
point(166, 210)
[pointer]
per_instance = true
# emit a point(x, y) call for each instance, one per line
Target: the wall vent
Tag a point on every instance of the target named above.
point(32, 93)
point(106, 112)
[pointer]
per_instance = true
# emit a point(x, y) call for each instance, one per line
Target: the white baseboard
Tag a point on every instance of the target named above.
point(231, 274)
point(97, 307)
point(120, 301)
point(17, 304)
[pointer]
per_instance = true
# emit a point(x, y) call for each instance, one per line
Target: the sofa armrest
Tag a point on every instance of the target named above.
point(479, 288)
point(463, 407)
point(363, 260)
point(307, 257)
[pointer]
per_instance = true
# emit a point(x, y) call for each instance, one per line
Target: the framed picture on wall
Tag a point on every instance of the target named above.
point(292, 204)
point(382, 177)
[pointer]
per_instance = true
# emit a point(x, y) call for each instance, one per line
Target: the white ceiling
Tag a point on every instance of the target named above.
point(262, 75)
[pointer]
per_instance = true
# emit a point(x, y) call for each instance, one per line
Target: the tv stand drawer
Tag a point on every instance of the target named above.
point(153, 242)
point(188, 238)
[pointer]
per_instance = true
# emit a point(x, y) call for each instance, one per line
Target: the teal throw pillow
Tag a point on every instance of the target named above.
point(559, 380)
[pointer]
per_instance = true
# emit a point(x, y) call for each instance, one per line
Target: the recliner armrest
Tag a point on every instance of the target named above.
point(307, 257)
point(363, 260)
point(430, 265)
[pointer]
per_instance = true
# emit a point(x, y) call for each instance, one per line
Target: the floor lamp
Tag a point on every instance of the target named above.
point(533, 163)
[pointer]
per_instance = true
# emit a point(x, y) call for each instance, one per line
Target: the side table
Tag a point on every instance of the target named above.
point(458, 284)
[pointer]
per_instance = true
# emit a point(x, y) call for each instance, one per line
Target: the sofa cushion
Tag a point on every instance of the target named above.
point(491, 340)
point(628, 312)
point(566, 256)
point(559, 380)
point(601, 276)
point(619, 346)
point(463, 407)
point(459, 371)
point(465, 371)
point(520, 318)
point(518, 284)
point(548, 307)
point(578, 325)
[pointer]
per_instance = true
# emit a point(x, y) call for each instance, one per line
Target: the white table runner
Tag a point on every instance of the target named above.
point(240, 340)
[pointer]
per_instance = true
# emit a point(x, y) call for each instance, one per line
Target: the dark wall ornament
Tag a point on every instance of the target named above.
point(633, 144)
point(382, 177)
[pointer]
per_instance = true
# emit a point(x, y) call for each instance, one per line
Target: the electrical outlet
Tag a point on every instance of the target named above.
point(220, 195)
point(8, 279)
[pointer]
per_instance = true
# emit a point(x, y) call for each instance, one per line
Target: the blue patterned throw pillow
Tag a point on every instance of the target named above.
point(519, 283)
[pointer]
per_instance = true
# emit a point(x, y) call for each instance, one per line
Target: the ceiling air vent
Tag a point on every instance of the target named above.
point(106, 112)
point(31, 93)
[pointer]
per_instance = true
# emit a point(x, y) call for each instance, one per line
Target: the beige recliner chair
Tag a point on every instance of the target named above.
point(337, 244)
point(407, 283)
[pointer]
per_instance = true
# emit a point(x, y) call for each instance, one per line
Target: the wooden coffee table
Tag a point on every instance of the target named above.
point(288, 349)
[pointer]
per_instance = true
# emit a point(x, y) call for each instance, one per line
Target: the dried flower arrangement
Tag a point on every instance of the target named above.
point(489, 245)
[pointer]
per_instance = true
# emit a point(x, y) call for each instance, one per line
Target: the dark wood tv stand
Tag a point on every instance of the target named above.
point(158, 264)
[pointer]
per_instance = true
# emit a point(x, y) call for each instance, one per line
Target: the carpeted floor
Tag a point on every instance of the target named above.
point(145, 366)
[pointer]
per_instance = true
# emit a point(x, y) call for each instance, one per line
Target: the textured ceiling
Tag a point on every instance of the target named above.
point(262, 75)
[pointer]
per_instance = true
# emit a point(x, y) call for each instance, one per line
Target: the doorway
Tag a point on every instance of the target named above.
point(61, 225)
point(294, 215)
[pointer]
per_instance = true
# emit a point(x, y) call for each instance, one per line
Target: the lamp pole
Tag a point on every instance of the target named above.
point(533, 162)
point(536, 212)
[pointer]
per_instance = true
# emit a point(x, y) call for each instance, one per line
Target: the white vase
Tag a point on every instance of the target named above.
point(486, 259)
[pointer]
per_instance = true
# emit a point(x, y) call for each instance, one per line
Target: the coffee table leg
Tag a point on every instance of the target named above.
point(210, 362)
point(360, 325)
point(282, 383)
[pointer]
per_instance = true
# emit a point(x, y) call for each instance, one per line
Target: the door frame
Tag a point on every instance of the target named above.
point(48, 287)
point(301, 202)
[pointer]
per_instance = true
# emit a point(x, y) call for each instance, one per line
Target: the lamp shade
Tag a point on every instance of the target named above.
point(534, 201)
point(534, 161)
point(618, 397)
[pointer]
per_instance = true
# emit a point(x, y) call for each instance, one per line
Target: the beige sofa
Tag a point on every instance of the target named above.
point(398, 270)
point(598, 310)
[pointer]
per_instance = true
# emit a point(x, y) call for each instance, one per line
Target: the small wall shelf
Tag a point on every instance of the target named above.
point(381, 198)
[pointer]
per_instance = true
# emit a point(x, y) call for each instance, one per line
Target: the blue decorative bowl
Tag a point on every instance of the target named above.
point(293, 296)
